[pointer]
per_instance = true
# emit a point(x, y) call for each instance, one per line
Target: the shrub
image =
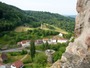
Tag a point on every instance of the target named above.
point(40, 58)
point(23, 52)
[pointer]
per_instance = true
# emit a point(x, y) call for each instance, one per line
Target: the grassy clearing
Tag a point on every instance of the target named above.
point(22, 28)
point(12, 59)
point(59, 29)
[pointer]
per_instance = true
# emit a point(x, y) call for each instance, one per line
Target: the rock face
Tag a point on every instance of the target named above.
point(77, 54)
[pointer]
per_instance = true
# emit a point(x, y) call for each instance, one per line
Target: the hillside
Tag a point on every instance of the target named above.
point(11, 17)
point(66, 23)
point(43, 27)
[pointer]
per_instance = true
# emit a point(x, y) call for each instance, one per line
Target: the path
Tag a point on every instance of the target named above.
point(24, 57)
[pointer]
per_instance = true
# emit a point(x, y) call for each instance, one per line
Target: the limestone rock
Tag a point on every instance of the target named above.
point(77, 54)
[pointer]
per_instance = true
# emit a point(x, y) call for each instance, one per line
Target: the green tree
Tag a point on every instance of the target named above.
point(40, 59)
point(47, 45)
point(32, 49)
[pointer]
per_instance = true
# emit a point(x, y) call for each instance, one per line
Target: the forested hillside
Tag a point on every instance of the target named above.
point(58, 20)
point(11, 17)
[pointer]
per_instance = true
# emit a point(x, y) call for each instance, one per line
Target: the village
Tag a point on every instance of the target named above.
point(26, 43)
point(54, 40)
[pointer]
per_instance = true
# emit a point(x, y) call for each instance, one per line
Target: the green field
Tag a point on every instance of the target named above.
point(45, 27)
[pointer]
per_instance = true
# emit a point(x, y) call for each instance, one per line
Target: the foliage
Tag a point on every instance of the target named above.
point(12, 37)
point(58, 20)
point(15, 53)
point(11, 17)
point(23, 52)
point(67, 36)
point(32, 49)
point(40, 59)
point(27, 60)
point(60, 51)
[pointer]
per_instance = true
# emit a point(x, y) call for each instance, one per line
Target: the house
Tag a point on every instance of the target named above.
point(62, 40)
point(24, 43)
point(40, 41)
point(17, 64)
point(2, 65)
point(4, 56)
point(53, 41)
point(60, 34)
point(45, 40)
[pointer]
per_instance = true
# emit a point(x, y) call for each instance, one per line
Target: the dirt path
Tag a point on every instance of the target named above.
point(24, 57)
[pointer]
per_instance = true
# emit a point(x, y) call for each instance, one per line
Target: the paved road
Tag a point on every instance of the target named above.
point(17, 50)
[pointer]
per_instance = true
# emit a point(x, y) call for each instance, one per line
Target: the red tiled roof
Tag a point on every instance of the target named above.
point(18, 64)
point(24, 41)
point(1, 63)
point(46, 39)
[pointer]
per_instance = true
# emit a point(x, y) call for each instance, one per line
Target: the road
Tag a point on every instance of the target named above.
point(16, 50)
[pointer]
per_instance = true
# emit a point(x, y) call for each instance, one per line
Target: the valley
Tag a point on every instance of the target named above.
point(25, 35)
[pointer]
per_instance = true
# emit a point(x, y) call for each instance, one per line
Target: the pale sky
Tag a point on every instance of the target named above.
point(64, 7)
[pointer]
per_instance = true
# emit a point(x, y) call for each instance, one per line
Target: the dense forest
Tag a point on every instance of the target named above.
point(11, 17)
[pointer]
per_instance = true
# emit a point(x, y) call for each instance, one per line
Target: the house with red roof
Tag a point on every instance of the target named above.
point(45, 40)
point(17, 64)
point(24, 43)
point(2, 65)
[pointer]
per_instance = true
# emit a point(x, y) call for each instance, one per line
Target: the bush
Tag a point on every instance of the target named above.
point(23, 52)
point(36, 65)
point(29, 60)
point(57, 56)
point(40, 58)
point(15, 53)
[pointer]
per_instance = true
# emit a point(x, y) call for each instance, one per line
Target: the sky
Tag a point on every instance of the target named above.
point(64, 7)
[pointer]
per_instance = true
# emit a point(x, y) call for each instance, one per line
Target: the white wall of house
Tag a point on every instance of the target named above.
point(60, 34)
point(25, 44)
point(2, 66)
point(61, 41)
point(53, 41)
point(13, 66)
point(44, 41)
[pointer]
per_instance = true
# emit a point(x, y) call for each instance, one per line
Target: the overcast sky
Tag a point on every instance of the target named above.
point(64, 7)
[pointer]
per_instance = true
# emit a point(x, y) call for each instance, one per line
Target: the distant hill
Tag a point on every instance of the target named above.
point(72, 16)
point(11, 17)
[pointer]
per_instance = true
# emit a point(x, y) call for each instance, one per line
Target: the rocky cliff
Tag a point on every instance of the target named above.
point(77, 54)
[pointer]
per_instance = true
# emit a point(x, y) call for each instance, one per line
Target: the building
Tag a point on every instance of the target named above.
point(45, 40)
point(24, 43)
point(62, 40)
point(17, 64)
point(60, 34)
point(37, 42)
point(2, 65)
point(53, 41)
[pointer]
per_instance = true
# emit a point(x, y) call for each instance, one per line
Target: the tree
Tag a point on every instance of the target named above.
point(32, 49)
point(46, 45)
